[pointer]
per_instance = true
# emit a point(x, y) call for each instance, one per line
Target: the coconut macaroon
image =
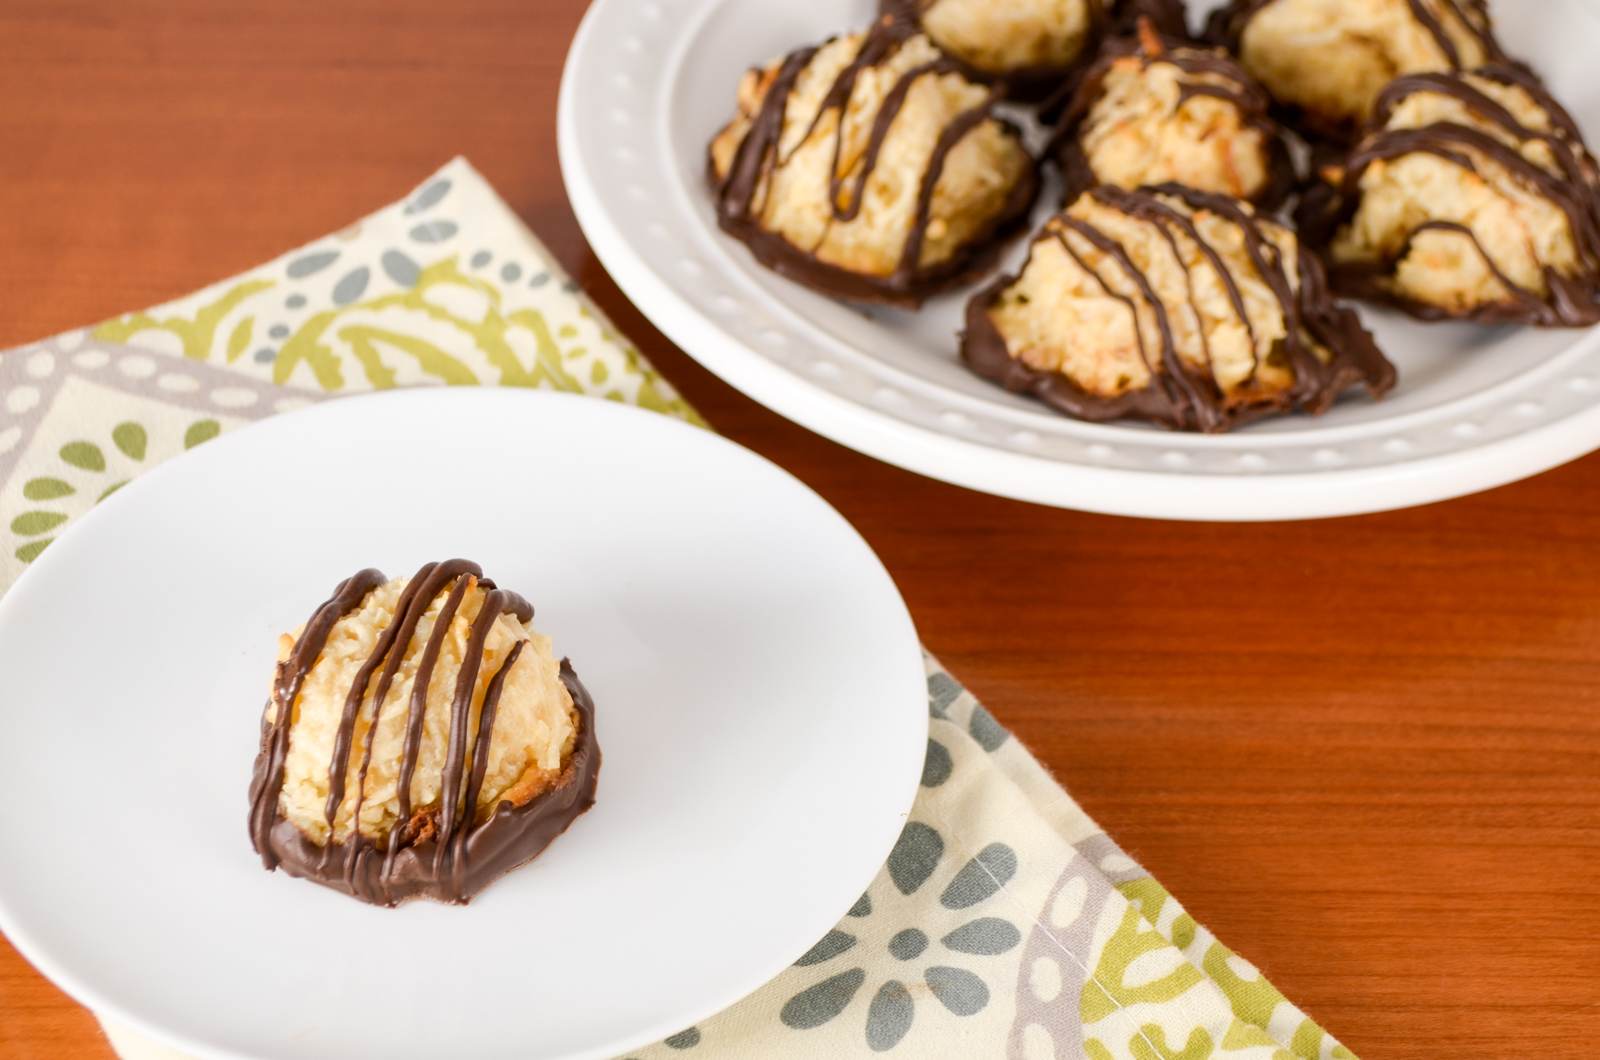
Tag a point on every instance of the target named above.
point(1153, 111)
point(1472, 196)
point(870, 168)
point(420, 740)
point(1329, 59)
point(1171, 305)
point(1030, 45)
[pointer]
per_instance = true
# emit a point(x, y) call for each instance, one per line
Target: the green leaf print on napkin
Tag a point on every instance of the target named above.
point(197, 333)
point(84, 469)
point(1110, 992)
point(443, 325)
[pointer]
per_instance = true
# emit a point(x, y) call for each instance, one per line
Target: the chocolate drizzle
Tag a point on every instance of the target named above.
point(1241, 92)
point(440, 853)
point(1034, 83)
point(291, 674)
point(1227, 26)
point(1178, 396)
point(1573, 188)
point(759, 156)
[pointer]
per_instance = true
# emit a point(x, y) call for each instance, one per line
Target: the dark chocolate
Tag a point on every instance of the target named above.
point(1177, 396)
point(1243, 93)
point(1573, 301)
point(444, 853)
point(758, 157)
point(1043, 82)
point(1226, 28)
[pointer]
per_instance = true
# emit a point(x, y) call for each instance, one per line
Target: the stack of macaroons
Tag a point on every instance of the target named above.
point(1450, 182)
point(1161, 292)
point(1447, 182)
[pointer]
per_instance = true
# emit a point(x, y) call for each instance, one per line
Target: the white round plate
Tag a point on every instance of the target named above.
point(761, 708)
point(648, 83)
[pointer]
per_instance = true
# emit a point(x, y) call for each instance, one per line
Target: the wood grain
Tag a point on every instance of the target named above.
point(1366, 752)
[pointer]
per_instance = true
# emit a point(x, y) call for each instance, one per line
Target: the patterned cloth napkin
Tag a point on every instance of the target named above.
point(1005, 922)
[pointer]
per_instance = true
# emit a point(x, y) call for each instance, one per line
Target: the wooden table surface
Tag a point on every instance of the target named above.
point(1366, 752)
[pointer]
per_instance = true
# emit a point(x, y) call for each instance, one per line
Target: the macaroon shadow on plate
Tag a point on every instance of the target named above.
point(760, 700)
point(649, 82)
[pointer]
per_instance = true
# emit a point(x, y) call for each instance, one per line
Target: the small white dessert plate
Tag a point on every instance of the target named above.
point(760, 698)
point(649, 82)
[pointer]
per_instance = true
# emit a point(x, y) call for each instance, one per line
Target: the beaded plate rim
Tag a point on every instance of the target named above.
point(663, 251)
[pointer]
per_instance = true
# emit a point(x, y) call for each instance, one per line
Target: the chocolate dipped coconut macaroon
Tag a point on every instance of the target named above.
point(1471, 196)
point(1030, 46)
point(421, 740)
point(871, 168)
point(1328, 60)
point(1174, 306)
point(1153, 111)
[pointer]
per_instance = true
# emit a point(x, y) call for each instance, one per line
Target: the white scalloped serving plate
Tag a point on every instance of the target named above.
point(647, 84)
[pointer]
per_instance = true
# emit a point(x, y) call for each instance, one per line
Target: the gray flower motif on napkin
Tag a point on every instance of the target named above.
point(945, 694)
point(918, 857)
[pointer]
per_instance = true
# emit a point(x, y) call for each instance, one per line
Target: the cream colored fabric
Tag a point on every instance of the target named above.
point(1005, 923)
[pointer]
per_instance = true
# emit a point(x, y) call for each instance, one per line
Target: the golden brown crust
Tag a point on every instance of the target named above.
point(1471, 196)
point(869, 168)
point(1327, 60)
point(1153, 111)
point(1172, 305)
point(533, 731)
